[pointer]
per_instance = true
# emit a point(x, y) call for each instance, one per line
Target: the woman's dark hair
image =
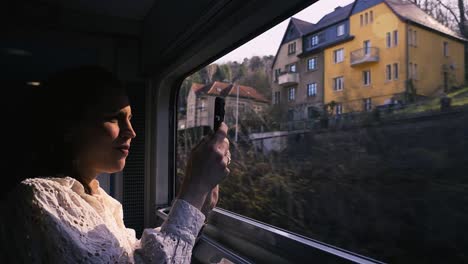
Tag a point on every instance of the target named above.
point(65, 99)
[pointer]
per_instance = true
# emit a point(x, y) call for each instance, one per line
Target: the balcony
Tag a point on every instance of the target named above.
point(364, 56)
point(288, 78)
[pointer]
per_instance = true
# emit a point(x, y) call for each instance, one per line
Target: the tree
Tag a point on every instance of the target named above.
point(451, 13)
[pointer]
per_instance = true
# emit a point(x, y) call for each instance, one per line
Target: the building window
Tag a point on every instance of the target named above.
point(367, 104)
point(340, 30)
point(366, 18)
point(314, 40)
point(292, 48)
point(338, 83)
point(410, 70)
point(311, 89)
point(203, 106)
point(276, 98)
point(292, 94)
point(395, 38)
point(446, 51)
point(338, 55)
point(339, 109)
point(292, 67)
point(415, 71)
point(277, 73)
point(389, 40)
point(371, 16)
point(312, 64)
point(395, 71)
point(367, 47)
point(366, 77)
point(362, 20)
point(410, 37)
point(415, 38)
point(388, 72)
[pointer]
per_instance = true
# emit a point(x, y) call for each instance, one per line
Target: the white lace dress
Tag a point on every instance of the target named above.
point(53, 220)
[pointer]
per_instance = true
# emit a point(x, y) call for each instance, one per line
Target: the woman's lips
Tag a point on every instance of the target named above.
point(123, 149)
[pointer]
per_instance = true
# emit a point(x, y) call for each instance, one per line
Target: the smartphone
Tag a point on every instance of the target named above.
point(218, 113)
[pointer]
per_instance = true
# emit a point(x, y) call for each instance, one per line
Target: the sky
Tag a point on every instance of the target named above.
point(268, 42)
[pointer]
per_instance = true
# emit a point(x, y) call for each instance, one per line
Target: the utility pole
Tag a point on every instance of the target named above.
point(237, 113)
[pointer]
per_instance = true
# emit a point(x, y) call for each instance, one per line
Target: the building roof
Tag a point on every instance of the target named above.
point(340, 14)
point(409, 11)
point(226, 89)
point(302, 26)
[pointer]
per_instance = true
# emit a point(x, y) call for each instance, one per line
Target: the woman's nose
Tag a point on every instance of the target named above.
point(127, 130)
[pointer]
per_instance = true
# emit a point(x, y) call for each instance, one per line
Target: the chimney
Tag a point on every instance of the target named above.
point(338, 7)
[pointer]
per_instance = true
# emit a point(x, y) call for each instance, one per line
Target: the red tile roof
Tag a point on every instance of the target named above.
point(226, 89)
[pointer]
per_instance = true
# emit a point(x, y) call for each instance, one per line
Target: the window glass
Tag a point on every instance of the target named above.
point(312, 89)
point(380, 171)
point(338, 83)
point(312, 63)
point(395, 71)
point(292, 93)
point(395, 38)
point(340, 30)
point(388, 72)
point(389, 39)
point(366, 77)
point(339, 55)
point(367, 47)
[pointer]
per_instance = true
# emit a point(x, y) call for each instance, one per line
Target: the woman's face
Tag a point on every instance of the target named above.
point(105, 136)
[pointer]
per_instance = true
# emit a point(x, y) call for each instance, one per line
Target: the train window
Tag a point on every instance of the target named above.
point(379, 171)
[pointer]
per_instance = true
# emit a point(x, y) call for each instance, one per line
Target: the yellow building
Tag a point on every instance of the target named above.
point(393, 46)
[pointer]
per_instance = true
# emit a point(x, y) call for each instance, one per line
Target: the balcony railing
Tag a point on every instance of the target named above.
point(364, 55)
point(288, 78)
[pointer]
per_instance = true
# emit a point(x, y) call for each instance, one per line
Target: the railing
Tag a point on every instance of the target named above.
point(288, 78)
point(364, 55)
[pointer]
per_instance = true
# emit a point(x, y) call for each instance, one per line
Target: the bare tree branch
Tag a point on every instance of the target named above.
point(450, 10)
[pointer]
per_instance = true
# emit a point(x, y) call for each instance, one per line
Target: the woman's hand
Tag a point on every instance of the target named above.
point(211, 201)
point(207, 166)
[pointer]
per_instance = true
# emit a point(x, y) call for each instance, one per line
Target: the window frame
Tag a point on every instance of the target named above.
point(160, 167)
point(291, 94)
point(366, 44)
point(311, 89)
point(395, 38)
point(291, 67)
point(343, 27)
point(388, 39)
point(366, 77)
point(446, 49)
point(339, 109)
point(277, 97)
point(315, 60)
point(388, 73)
point(338, 83)
point(292, 48)
point(367, 104)
point(396, 71)
point(314, 40)
point(335, 55)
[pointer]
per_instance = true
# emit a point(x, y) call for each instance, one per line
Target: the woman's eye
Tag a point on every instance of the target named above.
point(113, 119)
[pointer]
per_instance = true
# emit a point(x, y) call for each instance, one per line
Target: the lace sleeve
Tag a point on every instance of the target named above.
point(173, 242)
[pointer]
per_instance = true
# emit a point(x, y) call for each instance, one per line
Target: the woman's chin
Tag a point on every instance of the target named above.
point(117, 166)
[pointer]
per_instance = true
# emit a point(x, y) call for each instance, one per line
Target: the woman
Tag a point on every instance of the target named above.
point(85, 120)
